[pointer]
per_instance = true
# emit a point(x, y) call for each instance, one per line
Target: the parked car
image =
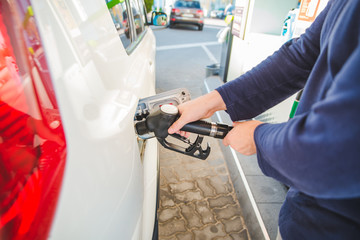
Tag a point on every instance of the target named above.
point(217, 13)
point(71, 75)
point(187, 12)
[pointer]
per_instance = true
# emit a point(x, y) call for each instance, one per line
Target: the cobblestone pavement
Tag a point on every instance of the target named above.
point(197, 198)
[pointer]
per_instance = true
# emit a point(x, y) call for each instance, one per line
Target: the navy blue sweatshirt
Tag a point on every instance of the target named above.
point(317, 153)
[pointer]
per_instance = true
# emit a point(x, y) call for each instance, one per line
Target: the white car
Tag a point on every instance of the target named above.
point(71, 75)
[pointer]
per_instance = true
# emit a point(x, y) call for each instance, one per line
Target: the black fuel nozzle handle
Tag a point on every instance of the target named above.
point(205, 128)
point(160, 121)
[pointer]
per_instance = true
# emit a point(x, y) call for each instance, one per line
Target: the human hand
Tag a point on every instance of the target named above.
point(241, 137)
point(199, 108)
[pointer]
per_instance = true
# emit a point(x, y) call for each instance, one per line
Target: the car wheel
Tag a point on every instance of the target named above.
point(200, 27)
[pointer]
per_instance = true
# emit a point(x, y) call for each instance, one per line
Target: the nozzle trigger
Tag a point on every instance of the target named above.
point(194, 149)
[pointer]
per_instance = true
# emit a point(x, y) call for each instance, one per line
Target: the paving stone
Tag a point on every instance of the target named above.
point(225, 179)
point(221, 201)
point(224, 238)
point(203, 209)
point(171, 228)
point(221, 170)
point(215, 161)
point(168, 213)
point(210, 232)
point(167, 157)
point(162, 180)
point(185, 236)
point(182, 173)
point(192, 219)
point(168, 174)
point(243, 235)
point(170, 160)
point(233, 225)
point(202, 173)
point(188, 196)
point(196, 200)
point(168, 238)
point(196, 165)
point(188, 160)
point(216, 153)
point(219, 185)
point(205, 187)
point(166, 198)
point(181, 187)
point(227, 212)
point(167, 203)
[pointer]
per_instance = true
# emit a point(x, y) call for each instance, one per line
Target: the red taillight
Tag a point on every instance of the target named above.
point(173, 19)
point(32, 141)
point(175, 10)
point(199, 11)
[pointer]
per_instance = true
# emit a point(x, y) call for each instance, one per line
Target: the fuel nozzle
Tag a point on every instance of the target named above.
point(157, 124)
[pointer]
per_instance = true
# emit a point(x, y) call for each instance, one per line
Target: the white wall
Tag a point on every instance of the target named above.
point(262, 38)
point(269, 15)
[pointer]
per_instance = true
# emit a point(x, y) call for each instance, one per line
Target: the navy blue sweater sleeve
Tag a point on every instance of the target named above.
point(318, 151)
point(276, 78)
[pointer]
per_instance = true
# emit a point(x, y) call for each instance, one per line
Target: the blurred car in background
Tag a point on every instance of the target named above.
point(217, 13)
point(71, 75)
point(187, 12)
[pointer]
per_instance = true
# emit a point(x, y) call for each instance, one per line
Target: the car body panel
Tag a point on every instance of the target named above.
point(98, 84)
